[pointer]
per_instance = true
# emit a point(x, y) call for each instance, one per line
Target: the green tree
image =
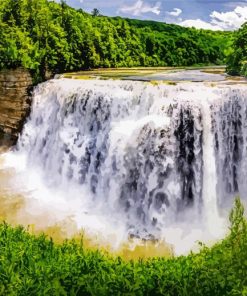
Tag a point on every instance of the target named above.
point(46, 36)
point(95, 12)
point(237, 59)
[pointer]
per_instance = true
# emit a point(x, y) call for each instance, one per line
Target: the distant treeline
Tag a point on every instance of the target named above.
point(237, 60)
point(43, 35)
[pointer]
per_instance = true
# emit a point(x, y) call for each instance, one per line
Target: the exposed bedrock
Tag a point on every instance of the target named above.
point(15, 102)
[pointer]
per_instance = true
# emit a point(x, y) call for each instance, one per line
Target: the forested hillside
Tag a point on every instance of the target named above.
point(237, 61)
point(44, 35)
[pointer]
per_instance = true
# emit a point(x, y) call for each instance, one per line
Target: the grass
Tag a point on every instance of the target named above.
point(31, 265)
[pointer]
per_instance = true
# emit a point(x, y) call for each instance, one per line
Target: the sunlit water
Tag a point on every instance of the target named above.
point(182, 75)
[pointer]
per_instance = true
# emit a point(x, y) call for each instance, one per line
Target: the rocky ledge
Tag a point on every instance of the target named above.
point(15, 86)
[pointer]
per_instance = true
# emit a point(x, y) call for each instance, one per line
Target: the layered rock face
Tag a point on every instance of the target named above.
point(14, 103)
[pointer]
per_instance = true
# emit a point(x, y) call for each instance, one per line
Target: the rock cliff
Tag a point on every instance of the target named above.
point(15, 86)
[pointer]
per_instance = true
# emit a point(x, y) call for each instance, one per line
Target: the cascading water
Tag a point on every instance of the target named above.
point(149, 158)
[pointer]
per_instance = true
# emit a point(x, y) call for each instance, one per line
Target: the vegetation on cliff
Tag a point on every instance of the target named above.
point(237, 61)
point(43, 35)
point(32, 265)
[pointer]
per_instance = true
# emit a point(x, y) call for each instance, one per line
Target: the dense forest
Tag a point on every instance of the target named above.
point(237, 60)
point(43, 35)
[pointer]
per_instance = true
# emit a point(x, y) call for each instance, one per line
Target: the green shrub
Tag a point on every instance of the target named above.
point(32, 265)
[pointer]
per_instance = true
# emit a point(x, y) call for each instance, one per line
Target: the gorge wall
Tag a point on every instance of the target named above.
point(14, 103)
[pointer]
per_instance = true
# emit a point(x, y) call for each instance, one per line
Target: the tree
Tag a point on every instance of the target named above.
point(95, 12)
point(44, 35)
point(237, 60)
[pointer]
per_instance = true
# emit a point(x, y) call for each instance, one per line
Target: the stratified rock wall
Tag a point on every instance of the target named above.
point(14, 103)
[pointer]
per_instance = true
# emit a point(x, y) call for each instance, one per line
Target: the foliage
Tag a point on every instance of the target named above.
point(32, 265)
point(237, 60)
point(46, 36)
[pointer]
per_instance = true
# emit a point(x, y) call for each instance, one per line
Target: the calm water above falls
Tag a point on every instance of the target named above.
point(183, 75)
point(152, 161)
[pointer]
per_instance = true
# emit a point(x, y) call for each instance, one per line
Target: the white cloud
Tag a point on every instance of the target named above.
point(141, 7)
point(199, 24)
point(175, 12)
point(230, 20)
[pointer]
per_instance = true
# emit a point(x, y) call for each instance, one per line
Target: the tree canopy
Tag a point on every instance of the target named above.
point(44, 35)
point(237, 60)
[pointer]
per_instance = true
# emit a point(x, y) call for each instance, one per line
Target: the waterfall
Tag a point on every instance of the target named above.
point(209, 173)
point(152, 156)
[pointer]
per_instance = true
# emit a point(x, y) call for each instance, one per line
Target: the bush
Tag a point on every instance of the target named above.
point(32, 265)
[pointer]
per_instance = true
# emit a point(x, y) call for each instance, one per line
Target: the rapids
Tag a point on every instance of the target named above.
point(134, 159)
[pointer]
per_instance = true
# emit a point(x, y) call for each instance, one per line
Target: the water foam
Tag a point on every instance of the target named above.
point(129, 158)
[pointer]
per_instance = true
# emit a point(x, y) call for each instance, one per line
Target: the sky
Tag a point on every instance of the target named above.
point(207, 14)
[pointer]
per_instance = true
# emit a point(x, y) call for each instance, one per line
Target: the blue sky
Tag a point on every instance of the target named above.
point(212, 14)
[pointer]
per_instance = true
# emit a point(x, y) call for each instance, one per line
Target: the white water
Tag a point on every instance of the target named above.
point(129, 158)
point(209, 192)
